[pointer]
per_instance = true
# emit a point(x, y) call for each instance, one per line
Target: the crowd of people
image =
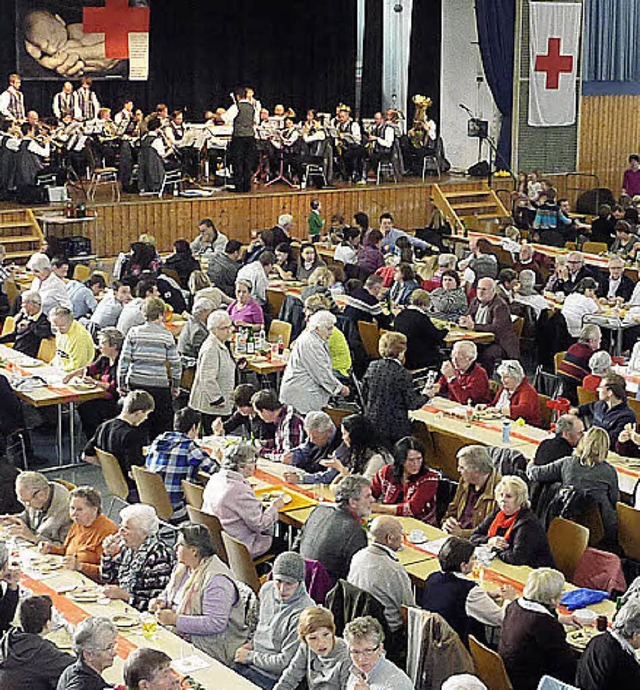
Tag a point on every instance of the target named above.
point(162, 393)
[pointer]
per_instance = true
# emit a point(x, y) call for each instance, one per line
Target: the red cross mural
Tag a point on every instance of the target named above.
point(116, 20)
point(553, 63)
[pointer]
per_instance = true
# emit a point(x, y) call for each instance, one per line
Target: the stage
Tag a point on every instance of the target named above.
point(237, 215)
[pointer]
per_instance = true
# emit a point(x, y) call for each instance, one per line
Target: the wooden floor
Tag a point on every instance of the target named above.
point(237, 215)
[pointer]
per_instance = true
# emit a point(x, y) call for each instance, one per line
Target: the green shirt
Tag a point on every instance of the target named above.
point(316, 224)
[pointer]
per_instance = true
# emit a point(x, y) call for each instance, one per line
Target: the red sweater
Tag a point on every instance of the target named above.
point(416, 499)
point(472, 384)
point(523, 403)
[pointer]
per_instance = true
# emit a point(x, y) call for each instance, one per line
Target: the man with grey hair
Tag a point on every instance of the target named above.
point(474, 499)
point(376, 569)
point(462, 379)
point(334, 533)
point(371, 669)
point(616, 283)
point(195, 332)
point(446, 262)
point(610, 661)
point(31, 326)
point(46, 513)
point(576, 271)
point(282, 230)
point(94, 642)
point(52, 290)
point(489, 313)
point(569, 431)
point(575, 364)
point(323, 439)
point(10, 575)
point(75, 348)
point(527, 294)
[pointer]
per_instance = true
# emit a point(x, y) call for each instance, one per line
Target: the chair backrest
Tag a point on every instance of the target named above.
point(546, 413)
point(81, 273)
point(11, 290)
point(112, 474)
point(188, 376)
point(280, 328)
point(592, 520)
point(489, 666)
point(70, 486)
point(585, 396)
point(192, 493)
point(629, 531)
point(518, 325)
point(568, 542)
point(240, 562)
point(152, 491)
point(337, 414)
point(634, 405)
point(370, 336)
point(557, 358)
point(212, 523)
point(47, 349)
point(9, 325)
point(595, 247)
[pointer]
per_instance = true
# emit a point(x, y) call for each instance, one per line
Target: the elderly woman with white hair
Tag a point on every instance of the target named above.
point(229, 496)
point(574, 365)
point(308, 381)
point(136, 565)
point(52, 290)
point(195, 332)
point(600, 364)
point(10, 575)
point(215, 379)
point(94, 643)
point(517, 397)
point(533, 640)
point(512, 531)
point(526, 293)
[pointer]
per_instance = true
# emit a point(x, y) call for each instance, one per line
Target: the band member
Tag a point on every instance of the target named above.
point(12, 100)
point(86, 104)
point(319, 149)
point(35, 149)
point(123, 117)
point(106, 136)
point(349, 145)
point(155, 158)
point(382, 137)
point(185, 151)
point(63, 102)
point(242, 116)
point(292, 148)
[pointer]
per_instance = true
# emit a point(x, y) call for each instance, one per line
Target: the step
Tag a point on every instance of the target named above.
point(15, 239)
point(21, 254)
point(457, 195)
point(17, 224)
point(489, 216)
point(468, 205)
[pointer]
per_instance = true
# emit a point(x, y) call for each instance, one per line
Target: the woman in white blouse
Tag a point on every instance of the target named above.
point(580, 303)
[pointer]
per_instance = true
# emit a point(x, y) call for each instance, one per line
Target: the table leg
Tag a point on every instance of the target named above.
point(60, 459)
point(618, 352)
point(72, 433)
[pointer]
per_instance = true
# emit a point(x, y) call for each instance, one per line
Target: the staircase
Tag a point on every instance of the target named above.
point(480, 208)
point(20, 234)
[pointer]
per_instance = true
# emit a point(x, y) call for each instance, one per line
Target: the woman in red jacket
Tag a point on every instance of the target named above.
point(407, 487)
point(517, 397)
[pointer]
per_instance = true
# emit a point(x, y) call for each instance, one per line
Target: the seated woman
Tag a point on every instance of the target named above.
point(347, 250)
point(200, 286)
point(103, 374)
point(512, 531)
point(322, 659)
point(202, 600)
point(229, 496)
point(142, 257)
point(449, 301)
point(338, 345)
point(423, 338)
point(337, 280)
point(309, 261)
point(404, 283)
point(370, 257)
point(600, 364)
point(580, 303)
point(409, 486)
point(244, 310)
point(587, 470)
point(517, 397)
point(319, 282)
point(533, 641)
point(182, 261)
point(457, 598)
point(136, 565)
point(82, 548)
point(286, 266)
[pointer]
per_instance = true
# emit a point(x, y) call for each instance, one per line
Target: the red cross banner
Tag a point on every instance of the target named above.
point(554, 44)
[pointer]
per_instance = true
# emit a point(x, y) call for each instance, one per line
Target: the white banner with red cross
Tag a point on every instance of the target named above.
point(554, 44)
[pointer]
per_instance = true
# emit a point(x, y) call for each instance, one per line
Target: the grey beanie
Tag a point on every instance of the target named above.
point(288, 567)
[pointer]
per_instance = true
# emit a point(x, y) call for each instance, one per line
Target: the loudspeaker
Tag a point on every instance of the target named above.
point(588, 202)
point(480, 169)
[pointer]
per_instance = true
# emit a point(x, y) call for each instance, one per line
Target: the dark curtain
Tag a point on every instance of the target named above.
point(424, 58)
point(298, 54)
point(372, 62)
point(496, 26)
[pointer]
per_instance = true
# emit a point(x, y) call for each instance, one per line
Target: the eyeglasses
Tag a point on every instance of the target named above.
point(33, 495)
point(368, 651)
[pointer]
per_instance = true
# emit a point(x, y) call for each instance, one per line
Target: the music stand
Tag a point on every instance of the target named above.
point(281, 176)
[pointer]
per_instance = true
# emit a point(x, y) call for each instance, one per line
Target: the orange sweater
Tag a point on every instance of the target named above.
point(86, 544)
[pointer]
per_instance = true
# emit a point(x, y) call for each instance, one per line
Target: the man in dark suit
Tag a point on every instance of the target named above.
point(616, 283)
point(490, 313)
point(31, 327)
point(576, 271)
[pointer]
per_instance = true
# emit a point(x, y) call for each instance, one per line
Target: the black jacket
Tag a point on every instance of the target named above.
point(624, 290)
point(569, 286)
point(28, 334)
point(605, 665)
point(423, 338)
point(528, 544)
point(79, 676)
point(8, 606)
point(29, 662)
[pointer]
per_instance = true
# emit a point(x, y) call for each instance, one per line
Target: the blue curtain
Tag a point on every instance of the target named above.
point(496, 25)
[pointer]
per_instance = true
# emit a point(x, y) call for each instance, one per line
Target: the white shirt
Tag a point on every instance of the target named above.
point(482, 607)
point(53, 293)
point(574, 308)
point(230, 115)
point(346, 254)
point(537, 302)
point(255, 274)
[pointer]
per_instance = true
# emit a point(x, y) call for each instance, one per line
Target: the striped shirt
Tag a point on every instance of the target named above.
point(149, 351)
point(289, 434)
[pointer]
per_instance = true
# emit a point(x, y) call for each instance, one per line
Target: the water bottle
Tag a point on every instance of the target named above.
point(506, 431)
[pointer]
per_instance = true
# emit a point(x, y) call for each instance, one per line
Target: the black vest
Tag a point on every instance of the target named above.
point(446, 594)
point(243, 121)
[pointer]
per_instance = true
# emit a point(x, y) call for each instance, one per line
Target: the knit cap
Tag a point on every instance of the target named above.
point(288, 567)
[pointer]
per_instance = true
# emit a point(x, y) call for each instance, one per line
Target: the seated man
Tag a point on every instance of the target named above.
point(122, 436)
point(31, 326)
point(83, 296)
point(275, 642)
point(371, 669)
point(323, 438)
point(289, 427)
point(149, 669)
point(10, 575)
point(363, 303)
point(474, 499)
point(110, 306)
point(46, 513)
point(195, 331)
point(610, 411)
point(462, 379)
point(616, 283)
point(318, 539)
point(576, 271)
point(245, 422)
point(175, 456)
point(224, 266)
point(575, 364)
point(131, 314)
point(377, 570)
point(50, 286)
point(569, 431)
point(74, 345)
point(27, 659)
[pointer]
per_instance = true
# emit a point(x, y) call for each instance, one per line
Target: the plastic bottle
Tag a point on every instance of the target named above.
point(241, 342)
point(280, 346)
point(506, 431)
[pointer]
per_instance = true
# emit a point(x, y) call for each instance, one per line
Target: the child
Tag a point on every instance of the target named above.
point(316, 222)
